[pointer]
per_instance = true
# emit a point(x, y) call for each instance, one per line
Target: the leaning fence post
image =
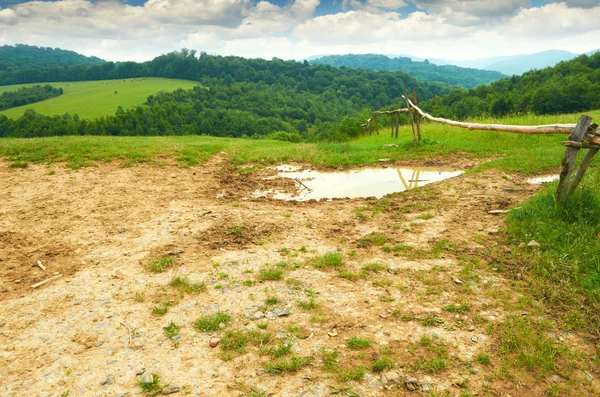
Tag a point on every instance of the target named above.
point(417, 116)
point(410, 115)
point(568, 162)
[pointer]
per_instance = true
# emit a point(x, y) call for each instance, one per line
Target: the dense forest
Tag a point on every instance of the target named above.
point(299, 101)
point(571, 86)
point(14, 58)
point(425, 71)
point(27, 95)
point(242, 97)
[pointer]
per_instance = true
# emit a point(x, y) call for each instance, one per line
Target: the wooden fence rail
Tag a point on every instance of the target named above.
point(583, 135)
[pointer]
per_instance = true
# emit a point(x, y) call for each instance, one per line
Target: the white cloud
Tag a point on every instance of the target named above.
point(458, 29)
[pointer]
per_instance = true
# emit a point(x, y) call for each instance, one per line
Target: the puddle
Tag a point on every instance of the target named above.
point(543, 179)
point(366, 182)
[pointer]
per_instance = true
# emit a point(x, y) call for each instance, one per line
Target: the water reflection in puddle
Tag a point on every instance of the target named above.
point(366, 182)
point(543, 179)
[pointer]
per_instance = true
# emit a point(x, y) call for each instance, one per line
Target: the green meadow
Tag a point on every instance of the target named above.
point(527, 154)
point(93, 99)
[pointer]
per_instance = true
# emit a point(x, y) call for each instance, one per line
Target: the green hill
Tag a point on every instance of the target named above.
point(571, 86)
point(425, 71)
point(21, 55)
point(93, 99)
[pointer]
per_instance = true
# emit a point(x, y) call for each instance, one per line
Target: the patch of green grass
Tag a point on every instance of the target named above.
point(382, 283)
point(93, 99)
point(284, 348)
point(162, 308)
point(172, 330)
point(432, 365)
point(151, 388)
point(248, 283)
point(293, 364)
point(382, 363)
point(425, 216)
point(346, 374)
point(522, 342)
point(329, 260)
point(235, 341)
point(350, 275)
point(430, 320)
point(372, 240)
point(160, 265)
point(483, 358)
point(460, 308)
point(309, 304)
point(271, 300)
point(236, 231)
point(357, 343)
point(397, 248)
point(270, 274)
point(373, 268)
point(212, 322)
point(184, 285)
point(564, 271)
point(19, 164)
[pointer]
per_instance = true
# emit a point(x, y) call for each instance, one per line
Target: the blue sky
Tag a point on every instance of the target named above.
point(295, 29)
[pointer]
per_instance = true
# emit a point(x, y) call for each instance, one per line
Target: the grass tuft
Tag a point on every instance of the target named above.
point(212, 322)
point(329, 260)
point(160, 265)
point(357, 343)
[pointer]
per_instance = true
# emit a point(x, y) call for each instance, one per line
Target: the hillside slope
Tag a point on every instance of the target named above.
point(92, 99)
point(21, 55)
point(570, 86)
point(426, 71)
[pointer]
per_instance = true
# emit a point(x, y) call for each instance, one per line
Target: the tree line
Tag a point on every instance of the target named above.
point(571, 86)
point(424, 70)
point(27, 95)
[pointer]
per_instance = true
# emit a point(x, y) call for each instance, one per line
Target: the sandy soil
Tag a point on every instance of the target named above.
point(90, 332)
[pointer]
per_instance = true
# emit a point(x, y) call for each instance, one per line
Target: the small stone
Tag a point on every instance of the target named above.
point(214, 341)
point(475, 339)
point(556, 379)
point(518, 276)
point(588, 377)
point(392, 376)
point(332, 333)
point(493, 231)
point(474, 371)
point(122, 229)
point(99, 343)
point(534, 244)
point(411, 383)
point(140, 371)
point(258, 315)
point(170, 390)
point(458, 281)
point(436, 334)
point(122, 394)
point(426, 388)
point(178, 251)
point(282, 313)
point(147, 379)
point(384, 160)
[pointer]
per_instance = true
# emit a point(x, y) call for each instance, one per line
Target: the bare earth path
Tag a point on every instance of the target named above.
point(90, 332)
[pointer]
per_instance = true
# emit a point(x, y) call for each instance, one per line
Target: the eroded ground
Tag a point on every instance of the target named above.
point(417, 285)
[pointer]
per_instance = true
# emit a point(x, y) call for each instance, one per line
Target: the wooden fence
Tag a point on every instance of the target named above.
point(582, 136)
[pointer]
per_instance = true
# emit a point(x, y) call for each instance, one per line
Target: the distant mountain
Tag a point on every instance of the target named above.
point(511, 65)
point(21, 55)
point(425, 70)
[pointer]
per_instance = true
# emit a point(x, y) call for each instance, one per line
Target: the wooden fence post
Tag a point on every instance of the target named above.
point(410, 115)
point(417, 117)
point(568, 162)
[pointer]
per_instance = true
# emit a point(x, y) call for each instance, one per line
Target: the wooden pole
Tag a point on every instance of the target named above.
point(377, 123)
point(397, 123)
point(582, 168)
point(410, 110)
point(568, 162)
point(519, 129)
point(393, 121)
point(417, 117)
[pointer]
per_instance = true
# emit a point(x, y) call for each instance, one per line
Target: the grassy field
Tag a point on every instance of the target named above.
point(526, 154)
point(92, 99)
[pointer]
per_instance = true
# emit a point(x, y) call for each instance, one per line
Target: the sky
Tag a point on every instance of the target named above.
point(139, 30)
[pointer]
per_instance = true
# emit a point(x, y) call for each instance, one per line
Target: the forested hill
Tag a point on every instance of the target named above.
point(16, 57)
point(426, 71)
point(240, 97)
point(570, 86)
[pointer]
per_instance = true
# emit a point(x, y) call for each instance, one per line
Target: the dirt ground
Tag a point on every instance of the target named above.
point(92, 332)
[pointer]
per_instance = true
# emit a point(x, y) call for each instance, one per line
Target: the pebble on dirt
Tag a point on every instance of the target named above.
point(534, 243)
point(214, 341)
point(170, 390)
point(147, 378)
